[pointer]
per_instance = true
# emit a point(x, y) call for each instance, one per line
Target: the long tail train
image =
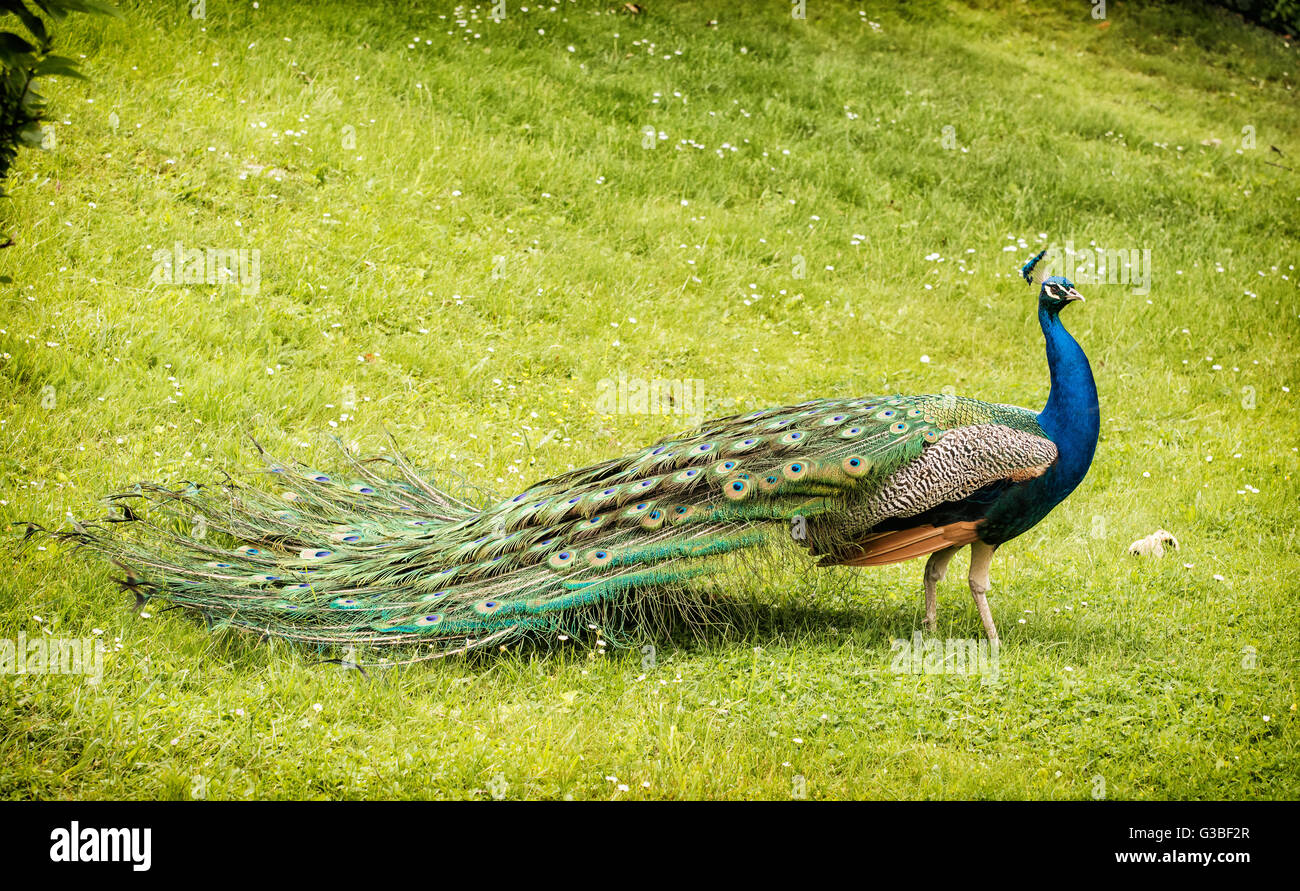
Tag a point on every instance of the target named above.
point(388, 558)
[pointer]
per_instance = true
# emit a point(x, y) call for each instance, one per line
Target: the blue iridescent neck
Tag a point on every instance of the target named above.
point(1072, 416)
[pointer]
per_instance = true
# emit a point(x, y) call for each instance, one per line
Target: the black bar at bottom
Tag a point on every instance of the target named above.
point(334, 842)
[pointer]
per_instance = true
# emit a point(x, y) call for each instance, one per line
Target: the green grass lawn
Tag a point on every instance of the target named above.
point(464, 226)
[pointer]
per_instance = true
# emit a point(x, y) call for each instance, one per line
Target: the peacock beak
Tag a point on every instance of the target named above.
point(1072, 294)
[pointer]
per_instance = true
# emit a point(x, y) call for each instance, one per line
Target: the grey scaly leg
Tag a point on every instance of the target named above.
point(935, 568)
point(981, 557)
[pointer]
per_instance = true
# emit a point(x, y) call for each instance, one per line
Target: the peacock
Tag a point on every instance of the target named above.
point(384, 557)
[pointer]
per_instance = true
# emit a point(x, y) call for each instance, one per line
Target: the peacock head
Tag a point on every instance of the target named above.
point(1056, 291)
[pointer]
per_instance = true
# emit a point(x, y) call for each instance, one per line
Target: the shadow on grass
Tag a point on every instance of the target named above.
point(760, 601)
point(703, 626)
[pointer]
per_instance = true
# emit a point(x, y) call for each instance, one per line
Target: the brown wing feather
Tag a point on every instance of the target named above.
point(904, 544)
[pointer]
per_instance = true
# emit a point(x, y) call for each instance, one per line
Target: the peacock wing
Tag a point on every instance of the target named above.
point(999, 445)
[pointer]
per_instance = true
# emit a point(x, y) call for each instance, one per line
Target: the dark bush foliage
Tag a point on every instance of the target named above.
point(1280, 15)
point(25, 55)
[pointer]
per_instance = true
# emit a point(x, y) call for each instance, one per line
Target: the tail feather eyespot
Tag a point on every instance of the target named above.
point(855, 465)
point(638, 510)
point(681, 513)
point(643, 486)
point(795, 470)
point(736, 489)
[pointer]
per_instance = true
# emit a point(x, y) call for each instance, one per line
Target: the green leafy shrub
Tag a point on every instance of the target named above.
point(1280, 15)
point(26, 57)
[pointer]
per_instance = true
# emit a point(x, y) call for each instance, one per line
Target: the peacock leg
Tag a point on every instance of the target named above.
point(935, 568)
point(981, 557)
